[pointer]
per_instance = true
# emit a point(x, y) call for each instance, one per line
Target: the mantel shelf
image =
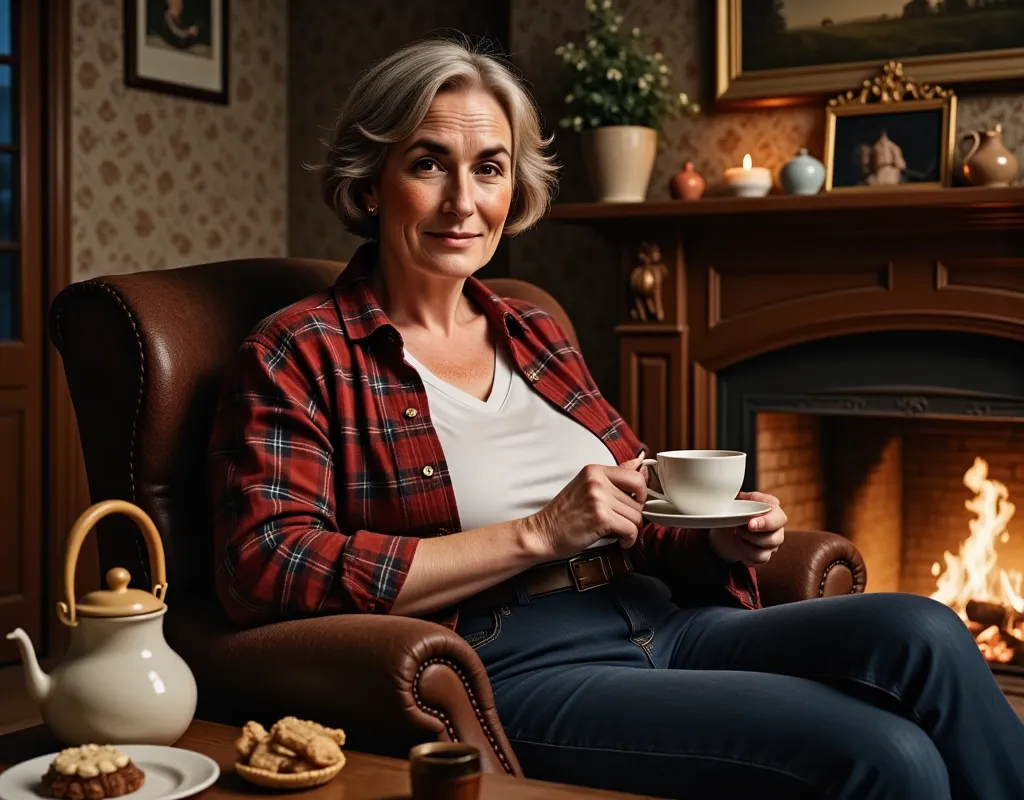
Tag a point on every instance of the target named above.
point(999, 207)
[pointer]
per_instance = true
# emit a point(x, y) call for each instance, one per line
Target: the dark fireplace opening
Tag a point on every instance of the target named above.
point(911, 443)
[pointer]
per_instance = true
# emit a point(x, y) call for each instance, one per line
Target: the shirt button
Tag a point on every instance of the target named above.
point(428, 471)
point(410, 413)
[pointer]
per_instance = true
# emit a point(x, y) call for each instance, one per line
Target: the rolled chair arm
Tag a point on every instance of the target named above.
point(812, 564)
point(390, 682)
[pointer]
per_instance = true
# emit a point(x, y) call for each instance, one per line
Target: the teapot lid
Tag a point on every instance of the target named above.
point(118, 600)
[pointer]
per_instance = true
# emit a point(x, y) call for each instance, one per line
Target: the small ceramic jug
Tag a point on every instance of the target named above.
point(989, 162)
point(687, 184)
point(119, 682)
point(802, 174)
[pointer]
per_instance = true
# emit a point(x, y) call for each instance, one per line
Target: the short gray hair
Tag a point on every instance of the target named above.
point(391, 99)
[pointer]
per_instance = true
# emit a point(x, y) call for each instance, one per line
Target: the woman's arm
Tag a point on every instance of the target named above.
point(280, 550)
point(284, 552)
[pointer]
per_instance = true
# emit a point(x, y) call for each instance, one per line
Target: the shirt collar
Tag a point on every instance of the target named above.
point(361, 314)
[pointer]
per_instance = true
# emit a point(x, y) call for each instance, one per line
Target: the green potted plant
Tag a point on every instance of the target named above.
point(617, 98)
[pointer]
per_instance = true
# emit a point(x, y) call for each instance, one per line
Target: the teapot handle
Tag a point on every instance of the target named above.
point(977, 143)
point(84, 524)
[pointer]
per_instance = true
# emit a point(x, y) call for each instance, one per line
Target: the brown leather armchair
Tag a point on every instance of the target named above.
point(143, 355)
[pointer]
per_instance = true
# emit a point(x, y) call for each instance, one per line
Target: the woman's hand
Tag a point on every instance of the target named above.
point(594, 504)
point(756, 542)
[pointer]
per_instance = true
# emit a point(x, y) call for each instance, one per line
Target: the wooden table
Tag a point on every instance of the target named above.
point(365, 777)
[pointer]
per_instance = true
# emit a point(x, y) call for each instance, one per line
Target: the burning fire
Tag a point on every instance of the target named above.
point(987, 597)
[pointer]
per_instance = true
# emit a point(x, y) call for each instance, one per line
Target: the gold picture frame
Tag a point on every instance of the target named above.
point(739, 88)
point(874, 161)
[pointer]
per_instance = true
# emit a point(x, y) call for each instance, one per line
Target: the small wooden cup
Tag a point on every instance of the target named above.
point(445, 771)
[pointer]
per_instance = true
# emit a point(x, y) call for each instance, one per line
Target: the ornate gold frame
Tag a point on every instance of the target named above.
point(734, 89)
point(892, 93)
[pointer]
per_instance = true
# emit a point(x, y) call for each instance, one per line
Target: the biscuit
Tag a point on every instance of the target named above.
point(305, 740)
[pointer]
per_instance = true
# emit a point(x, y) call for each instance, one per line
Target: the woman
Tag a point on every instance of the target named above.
point(408, 443)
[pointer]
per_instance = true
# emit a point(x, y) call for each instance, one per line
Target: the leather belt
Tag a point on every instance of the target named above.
point(588, 570)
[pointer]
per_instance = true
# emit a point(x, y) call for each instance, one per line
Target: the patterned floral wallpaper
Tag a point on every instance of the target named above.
point(159, 181)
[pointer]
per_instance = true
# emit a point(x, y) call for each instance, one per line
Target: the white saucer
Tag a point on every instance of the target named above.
point(171, 774)
point(738, 513)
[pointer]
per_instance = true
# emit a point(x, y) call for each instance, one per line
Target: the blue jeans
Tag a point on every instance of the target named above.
point(866, 696)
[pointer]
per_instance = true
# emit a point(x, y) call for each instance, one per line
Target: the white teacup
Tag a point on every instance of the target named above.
point(699, 482)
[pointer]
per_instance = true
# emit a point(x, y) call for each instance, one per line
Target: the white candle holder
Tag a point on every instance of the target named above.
point(748, 181)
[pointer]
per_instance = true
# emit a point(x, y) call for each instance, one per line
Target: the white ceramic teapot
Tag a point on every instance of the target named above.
point(120, 682)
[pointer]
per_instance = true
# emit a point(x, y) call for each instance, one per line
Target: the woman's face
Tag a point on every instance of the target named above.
point(444, 193)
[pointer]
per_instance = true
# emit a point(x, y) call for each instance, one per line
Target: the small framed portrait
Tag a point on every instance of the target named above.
point(177, 47)
point(889, 145)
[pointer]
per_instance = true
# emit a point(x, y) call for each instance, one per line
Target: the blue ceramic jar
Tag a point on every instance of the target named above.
point(803, 174)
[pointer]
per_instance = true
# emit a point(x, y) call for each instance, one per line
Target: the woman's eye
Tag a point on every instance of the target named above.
point(490, 170)
point(425, 165)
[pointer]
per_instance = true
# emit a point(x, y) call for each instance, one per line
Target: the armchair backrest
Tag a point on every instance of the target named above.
point(144, 355)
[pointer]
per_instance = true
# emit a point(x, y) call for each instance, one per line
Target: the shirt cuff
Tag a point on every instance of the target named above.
point(374, 569)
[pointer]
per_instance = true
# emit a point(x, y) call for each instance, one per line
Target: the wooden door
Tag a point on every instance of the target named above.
point(21, 322)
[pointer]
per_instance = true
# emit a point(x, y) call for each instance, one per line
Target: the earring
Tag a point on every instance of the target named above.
point(372, 210)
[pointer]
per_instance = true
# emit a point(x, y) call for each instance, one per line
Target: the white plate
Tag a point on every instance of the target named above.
point(171, 774)
point(737, 514)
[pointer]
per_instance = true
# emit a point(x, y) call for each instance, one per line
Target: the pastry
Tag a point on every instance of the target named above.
point(92, 772)
point(293, 753)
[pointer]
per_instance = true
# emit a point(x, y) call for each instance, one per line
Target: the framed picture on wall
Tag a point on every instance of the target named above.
point(771, 52)
point(177, 47)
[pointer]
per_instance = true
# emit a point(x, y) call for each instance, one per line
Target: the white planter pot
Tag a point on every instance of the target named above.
point(619, 161)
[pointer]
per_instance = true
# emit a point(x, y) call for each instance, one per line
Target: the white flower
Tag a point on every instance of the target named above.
point(591, 5)
point(618, 19)
point(636, 31)
point(642, 85)
point(683, 99)
point(569, 98)
point(613, 74)
point(613, 28)
point(560, 50)
point(581, 65)
point(658, 56)
point(663, 68)
point(695, 108)
point(577, 123)
point(592, 44)
point(606, 4)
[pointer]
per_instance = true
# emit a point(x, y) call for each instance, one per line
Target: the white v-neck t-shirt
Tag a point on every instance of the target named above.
point(509, 455)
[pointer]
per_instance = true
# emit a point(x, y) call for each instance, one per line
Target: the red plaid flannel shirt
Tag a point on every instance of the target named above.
point(325, 469)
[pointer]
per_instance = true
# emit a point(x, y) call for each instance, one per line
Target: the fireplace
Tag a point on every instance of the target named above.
point(911, 443)
point(864, 348)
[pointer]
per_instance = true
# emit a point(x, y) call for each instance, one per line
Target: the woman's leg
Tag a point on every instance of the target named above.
point(682, 733)
point(577, 691)
point(900, 652)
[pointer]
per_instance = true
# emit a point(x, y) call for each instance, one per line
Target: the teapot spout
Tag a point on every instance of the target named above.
point(37, 681)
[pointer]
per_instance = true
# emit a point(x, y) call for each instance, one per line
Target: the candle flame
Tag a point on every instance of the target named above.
point(746, 161)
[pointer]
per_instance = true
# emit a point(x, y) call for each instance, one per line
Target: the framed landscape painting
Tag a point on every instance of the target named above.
point(177, 47)
point(784, 51)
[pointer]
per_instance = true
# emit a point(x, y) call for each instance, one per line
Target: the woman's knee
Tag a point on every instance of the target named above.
point(914, 618)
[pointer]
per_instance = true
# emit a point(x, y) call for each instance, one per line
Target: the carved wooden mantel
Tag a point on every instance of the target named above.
point(713, 282)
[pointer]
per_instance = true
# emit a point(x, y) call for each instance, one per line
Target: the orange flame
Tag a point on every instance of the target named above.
point(975, 573)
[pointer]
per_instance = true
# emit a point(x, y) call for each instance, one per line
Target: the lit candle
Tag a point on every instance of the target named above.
point(748, 181)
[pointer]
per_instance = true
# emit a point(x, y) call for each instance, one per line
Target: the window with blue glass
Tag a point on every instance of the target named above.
point(9, 256)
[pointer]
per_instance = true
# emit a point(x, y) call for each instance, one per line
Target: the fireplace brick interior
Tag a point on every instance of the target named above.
point(893, 486)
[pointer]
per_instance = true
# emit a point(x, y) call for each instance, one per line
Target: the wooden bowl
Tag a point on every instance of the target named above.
point(289, 780)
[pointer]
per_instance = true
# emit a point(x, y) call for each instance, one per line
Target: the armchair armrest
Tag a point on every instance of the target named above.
point(812, 564)
point(390, 682)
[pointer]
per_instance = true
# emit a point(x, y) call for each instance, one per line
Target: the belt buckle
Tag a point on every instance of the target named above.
point(583, 584)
